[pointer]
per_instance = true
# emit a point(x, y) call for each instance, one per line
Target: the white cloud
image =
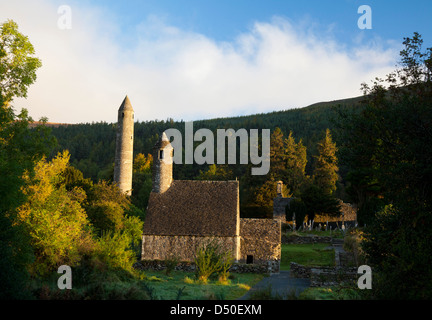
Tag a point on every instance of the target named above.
point(168, 72)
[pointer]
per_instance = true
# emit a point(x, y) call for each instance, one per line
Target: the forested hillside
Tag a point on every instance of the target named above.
point(92, 145)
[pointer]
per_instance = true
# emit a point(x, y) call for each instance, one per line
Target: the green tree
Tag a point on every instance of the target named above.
point(120, 248)
point(295, 157)
point(298, 209)
point(106, 207)
point(142, 182)
point(385, 143)
point(142, 163)
point(265, 194)
point(215, 173)
point(277, 155)
point(20, 147)
point(53, 217)
point(325, 172)
point(317, 202)
point(17, 64)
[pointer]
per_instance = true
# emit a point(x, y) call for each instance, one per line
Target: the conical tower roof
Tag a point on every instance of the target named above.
point(126, 104)
point(162, 142)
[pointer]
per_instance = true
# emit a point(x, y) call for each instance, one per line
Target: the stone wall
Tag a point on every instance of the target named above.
point(324, 276)
point(183, 247)
point(327, 277)
point(306, 239)
point(160, 265)
point(261, 242)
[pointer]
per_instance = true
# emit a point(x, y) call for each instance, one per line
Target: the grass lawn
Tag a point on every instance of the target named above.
point(307, 254)
point(181, 285)
point(145, 285)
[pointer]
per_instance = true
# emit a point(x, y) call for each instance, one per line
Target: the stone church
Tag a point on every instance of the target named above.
point(184, 214)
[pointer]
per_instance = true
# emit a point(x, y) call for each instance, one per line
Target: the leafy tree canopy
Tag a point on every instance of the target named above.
point(17, 63)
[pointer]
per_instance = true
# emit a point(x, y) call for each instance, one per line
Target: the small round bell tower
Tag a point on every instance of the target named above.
point(162, 164)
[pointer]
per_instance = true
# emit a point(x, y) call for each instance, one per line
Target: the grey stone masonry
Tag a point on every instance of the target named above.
point(261, 242)
point(162, 165)
point(124, 147)
point(280, 203)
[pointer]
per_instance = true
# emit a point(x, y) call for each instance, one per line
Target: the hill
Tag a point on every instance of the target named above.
point(92, 146)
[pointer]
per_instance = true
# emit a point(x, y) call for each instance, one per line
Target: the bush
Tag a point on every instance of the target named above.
point(211, 258)
point(114, 249)
point(170, 263)
point(352, 243)
point(398, 246)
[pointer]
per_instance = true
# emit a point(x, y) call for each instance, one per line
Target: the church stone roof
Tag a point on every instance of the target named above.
point(194, 208)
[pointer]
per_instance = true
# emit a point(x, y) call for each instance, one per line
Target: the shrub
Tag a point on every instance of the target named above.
point(188, 280)
point(211, 258)
point(53, 217)
point(398, 246)
point(170, 263)
point(352, 243)
point(114, 248)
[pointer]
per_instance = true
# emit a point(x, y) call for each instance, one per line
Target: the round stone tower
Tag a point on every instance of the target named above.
point(124, 147)
point(162, 164)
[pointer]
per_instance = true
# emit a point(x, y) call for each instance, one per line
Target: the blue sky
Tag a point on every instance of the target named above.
point(223, 20)
point(191, 59)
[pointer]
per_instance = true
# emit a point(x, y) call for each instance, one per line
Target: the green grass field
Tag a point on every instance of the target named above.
point(182, 285)
point(307, 254)
point(179, 285)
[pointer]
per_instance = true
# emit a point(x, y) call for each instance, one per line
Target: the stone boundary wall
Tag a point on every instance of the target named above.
point(327, 277)
point(304, 240)
point(324, 276)
point(299, 271)
point(160, 265)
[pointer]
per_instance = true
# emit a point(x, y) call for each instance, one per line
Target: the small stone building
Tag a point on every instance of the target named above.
point(182, 215)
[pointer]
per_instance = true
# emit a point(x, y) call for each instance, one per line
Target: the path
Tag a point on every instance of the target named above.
point(283, 284)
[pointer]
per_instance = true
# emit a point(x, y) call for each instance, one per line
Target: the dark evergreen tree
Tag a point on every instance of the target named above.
point(385, 146)
point(325, 172)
